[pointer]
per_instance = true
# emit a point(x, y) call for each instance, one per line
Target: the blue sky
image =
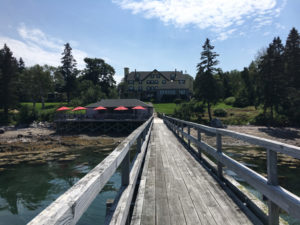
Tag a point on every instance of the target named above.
point(145, 34)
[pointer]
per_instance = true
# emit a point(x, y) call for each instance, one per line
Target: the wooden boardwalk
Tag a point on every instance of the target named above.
point(176, 189)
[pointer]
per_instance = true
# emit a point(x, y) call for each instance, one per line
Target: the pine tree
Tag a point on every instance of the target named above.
point(68, 70)
point(292, 58)
point(8, 80)
point(205, 86)
point(272, 77)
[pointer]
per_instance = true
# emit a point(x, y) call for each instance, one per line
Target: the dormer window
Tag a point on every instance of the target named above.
point(163, 81)
point(173, 76)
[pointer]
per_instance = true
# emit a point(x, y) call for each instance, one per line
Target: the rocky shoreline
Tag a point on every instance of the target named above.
point(40, 144)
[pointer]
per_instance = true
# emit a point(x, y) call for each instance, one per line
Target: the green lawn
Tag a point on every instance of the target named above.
point(48, 105)
point(166, 108)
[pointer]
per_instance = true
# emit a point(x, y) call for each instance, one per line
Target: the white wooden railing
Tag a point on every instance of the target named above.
point(70, 206)
point(278, 196)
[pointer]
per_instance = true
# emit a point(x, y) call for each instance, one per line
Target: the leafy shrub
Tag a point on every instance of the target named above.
point(242, 99)
point(266, 120)
point(198, 107)
point(220, 112)
point(46, 115)
point(177, 101)
point(229, 101)
point(27, 115)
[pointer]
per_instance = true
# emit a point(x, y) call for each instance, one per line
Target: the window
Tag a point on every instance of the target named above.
point(152, 75)
point(140, 82)
point(156, 87)
point(148, 81)
point(130, 82)
point(156, 81)
point(163, 81)
point(157, 76)
point(148, 88)
point(131, 88)
point(140, 88)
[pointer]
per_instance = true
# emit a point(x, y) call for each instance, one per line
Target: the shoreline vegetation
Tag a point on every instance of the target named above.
point(39, 145)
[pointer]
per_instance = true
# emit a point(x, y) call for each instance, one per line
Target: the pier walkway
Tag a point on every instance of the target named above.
point(177, 178)
point(175, 189)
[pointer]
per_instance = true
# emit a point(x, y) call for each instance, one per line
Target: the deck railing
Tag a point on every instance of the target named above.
point(100, 117)
point(278, 196)
point(70, 206)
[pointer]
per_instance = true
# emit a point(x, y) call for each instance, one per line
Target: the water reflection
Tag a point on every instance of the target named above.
point(25, 190)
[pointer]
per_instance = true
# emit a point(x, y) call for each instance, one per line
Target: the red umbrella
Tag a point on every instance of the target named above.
point(139, 107)
point(100, 108)
point(121, 108)
point(63, 109)
point(79, 108)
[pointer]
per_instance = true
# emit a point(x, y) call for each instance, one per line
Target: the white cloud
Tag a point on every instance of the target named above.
point(36, 47)
point(217, 15)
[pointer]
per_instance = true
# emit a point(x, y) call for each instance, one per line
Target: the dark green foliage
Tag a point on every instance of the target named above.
point(8, 80)
point(272, 80)
point(27, 115)
point(177, 101)
point(205, 86)
point(68, 71)
point(229, 100)
point(220, 112)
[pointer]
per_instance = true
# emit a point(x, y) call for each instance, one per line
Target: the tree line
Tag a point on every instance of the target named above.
point(271, 82)
point(37, 83)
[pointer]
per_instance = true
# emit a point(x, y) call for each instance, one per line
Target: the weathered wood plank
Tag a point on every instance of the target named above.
point(281, 197)
point(120, 214)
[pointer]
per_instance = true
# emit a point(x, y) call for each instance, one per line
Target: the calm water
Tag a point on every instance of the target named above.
point(255, 159)
point(25, 190)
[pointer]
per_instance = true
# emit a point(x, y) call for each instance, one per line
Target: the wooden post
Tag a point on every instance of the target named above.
point(219, 150)
point(199, 139)
point(109, 203)
point(126, 169)
point(189, 133)
point(139, 143)
point(272, 180)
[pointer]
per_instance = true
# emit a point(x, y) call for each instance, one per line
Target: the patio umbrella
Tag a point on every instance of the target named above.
point(100, 108)
point(79, 108)
point(63, 109)
point(121, 108)
point(139, 107)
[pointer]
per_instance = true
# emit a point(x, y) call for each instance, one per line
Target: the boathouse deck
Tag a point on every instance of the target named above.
point(174, 189)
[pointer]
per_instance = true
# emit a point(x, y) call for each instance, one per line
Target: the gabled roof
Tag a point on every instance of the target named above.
point(142, 75)
point(111, 103)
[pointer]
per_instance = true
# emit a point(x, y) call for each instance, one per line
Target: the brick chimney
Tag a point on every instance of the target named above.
point(126, 72)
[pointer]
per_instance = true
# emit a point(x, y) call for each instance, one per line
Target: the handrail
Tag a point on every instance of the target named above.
point(277, 195)
point(69, 207)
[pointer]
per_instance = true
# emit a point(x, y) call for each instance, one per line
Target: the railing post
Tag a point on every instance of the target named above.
point(189, 133)
point(182, 131)
point(219, 150)
point(126, 169)
point(272, 180)
point(199, 139)
point(139, 142)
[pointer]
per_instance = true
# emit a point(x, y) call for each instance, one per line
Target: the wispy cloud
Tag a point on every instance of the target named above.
point(220, 16)
point(36, 47)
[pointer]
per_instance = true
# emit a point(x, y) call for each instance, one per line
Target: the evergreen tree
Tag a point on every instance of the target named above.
point(68, 70)
point(205, 85)
point(272, 77)
point(292, 58)
point(8, 80)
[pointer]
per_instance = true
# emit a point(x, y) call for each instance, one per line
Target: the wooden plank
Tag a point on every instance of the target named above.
point(137, 211)
point(161, 201)
point(121, 211)
point(175, 207)
point(148, 212)
point(69, 207)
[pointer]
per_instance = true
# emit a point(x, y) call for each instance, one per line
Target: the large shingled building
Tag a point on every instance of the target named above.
point(160, 85)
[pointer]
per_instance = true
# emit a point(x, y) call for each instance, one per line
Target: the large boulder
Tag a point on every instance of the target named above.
point(216, 123)
point(2, 131)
